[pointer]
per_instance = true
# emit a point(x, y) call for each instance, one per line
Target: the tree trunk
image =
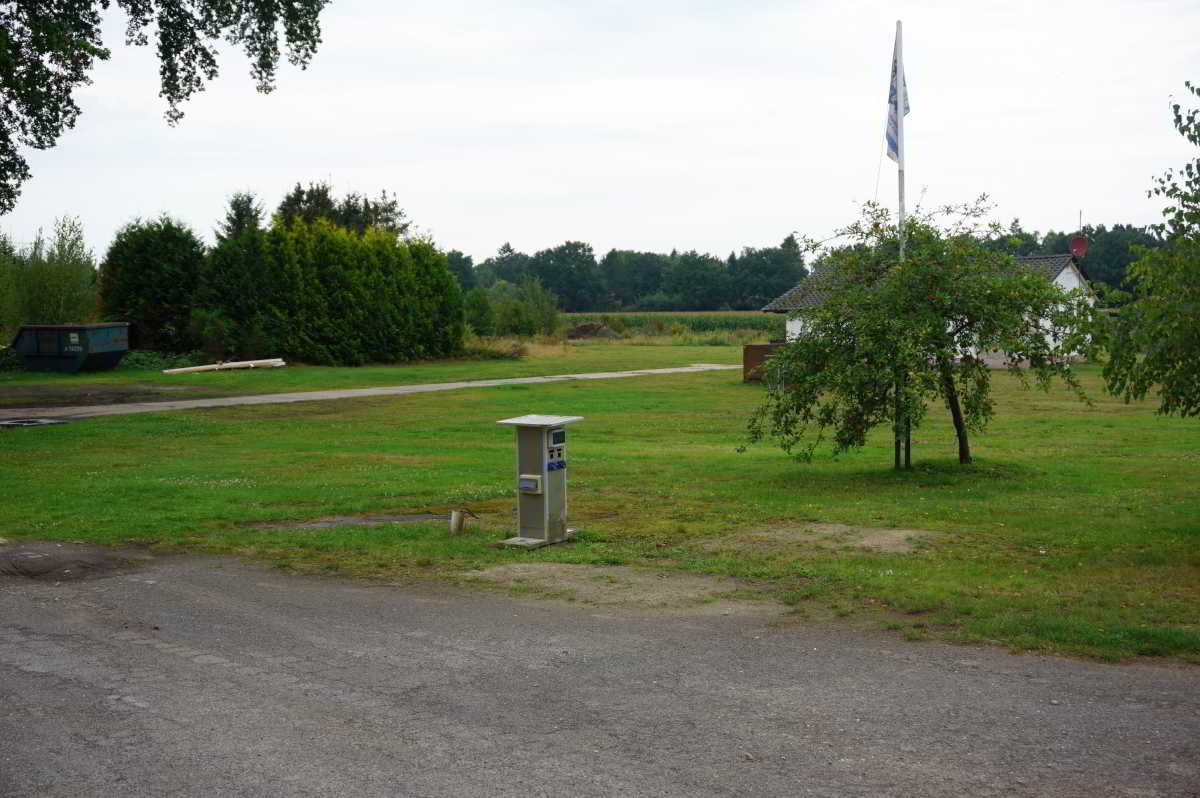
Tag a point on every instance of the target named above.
point(907, 443)
point(897, 428)
point(960, 426)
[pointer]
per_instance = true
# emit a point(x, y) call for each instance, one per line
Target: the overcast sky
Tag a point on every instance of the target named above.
point(649, 125)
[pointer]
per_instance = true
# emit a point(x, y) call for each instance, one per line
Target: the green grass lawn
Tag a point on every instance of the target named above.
point(542, 360)
point(1077, 531)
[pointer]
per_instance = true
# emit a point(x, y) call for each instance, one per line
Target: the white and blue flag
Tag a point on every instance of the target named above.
point(897, 96)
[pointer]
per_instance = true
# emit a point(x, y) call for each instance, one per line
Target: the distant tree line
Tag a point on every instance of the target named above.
point(639, 281)
point(331, 279)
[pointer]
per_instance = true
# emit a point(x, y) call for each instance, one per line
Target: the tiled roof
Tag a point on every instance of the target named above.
point(811, 292)
point(1050, 266)
point(808, 293)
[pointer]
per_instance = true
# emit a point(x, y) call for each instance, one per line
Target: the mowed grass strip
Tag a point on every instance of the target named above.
point(1077, 532)
point(575, 357)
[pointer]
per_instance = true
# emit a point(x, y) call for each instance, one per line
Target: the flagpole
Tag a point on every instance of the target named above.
point(901, 104)
point(903, 424)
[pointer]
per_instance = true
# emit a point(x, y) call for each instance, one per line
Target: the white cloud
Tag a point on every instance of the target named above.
point(705, 125)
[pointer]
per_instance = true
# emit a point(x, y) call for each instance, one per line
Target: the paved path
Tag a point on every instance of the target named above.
point(211, 677)
point(313, 396)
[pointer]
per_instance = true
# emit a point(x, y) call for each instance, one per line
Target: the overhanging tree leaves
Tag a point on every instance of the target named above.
point(888, 337)
point(1154, 341)
point(47, 50)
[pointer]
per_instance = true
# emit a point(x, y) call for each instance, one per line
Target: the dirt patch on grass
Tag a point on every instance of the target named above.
point(626, 587)
point(67, 395)
point(839, 538)
point(49, 561)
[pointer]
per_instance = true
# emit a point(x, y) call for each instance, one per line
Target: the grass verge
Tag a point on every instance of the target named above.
point(1077, 532)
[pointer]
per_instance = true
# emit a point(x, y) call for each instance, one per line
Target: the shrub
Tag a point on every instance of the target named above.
point(477, 311)
point(148, 278)
point(233, 321)
point(150, 360)
point(525, 310)
point(9, 317)
point(332, 297)
point(50, 281)
point(214, 333)
point(478, 349)
point(10, 360)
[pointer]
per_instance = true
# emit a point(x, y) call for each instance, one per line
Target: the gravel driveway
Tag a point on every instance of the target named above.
point(200, 676)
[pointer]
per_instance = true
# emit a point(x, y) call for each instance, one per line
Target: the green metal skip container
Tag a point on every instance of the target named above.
point(72, 347)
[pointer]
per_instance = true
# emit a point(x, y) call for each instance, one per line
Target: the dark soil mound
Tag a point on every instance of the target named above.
point(591, 329)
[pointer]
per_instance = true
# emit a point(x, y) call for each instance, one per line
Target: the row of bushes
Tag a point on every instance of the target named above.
point(309, 291)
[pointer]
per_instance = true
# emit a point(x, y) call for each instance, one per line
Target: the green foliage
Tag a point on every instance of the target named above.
point(10, 316)
point(477, 349)
point(355, 211)
point(332, 297)
point(890, 335)
point(213, 332)
point(244, 215)
point(150, 360)
point(569, 272)
point(771, 324)
point(48, 49)
point(507, 265)
point(758, 276)
point(523, 310)
point(1019, 242)
point(1110, 249)
point(10, 359)
point(629, 276)
point(700, 282)
point(463, 267)
point(477, 311)
point(148, 278)
point(312, 292)
point(649, 281)
point(1154, 340)
point(233, 322)
point(50, 281)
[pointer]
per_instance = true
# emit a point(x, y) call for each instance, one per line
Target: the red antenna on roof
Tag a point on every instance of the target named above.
point(1078, 246)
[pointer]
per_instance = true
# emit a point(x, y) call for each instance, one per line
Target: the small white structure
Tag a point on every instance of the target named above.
point(541, 479)
point(1062, 270)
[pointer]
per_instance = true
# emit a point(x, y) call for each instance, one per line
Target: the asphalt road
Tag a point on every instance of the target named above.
point(213, 677)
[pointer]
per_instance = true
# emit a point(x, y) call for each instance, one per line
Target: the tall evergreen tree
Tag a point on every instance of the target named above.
point(148, 278)
point(463, 267)
point(244, 213)
point(354, 212)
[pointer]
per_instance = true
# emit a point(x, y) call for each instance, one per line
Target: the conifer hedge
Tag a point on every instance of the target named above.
point(308, 291)
point(328, 296)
